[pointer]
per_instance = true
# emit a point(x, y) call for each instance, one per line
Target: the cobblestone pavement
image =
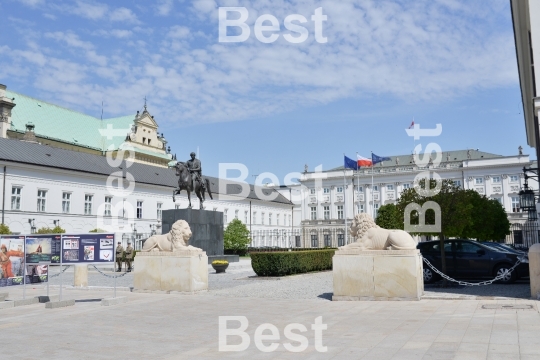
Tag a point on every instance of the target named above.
point(240, 281)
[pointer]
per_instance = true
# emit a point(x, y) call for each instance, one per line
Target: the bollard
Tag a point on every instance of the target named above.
point(80, 275)
point(534, 270)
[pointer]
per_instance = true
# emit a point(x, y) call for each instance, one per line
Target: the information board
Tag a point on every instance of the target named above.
point(11, 260)
point(88, 248)
point(42, 249)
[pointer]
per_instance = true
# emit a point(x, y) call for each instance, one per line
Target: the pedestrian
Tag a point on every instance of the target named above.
point(119, 255)
point(129, 256)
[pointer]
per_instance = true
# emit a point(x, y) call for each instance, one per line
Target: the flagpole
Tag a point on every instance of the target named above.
point(372, 201)
point(345, 202)
point(357, 183)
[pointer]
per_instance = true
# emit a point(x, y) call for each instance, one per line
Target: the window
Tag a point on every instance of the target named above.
point(270, 219)
point(375, 210)
point(360, 208)
point(390, 187)
point(245, 217)
point(341, 239)
point(16, 198)
point(108, 205)
point(457, 183)
point(312, 191)
point(277, 219)
point(375, 187)
point(139, 210)
point(406, 186)
point(340, 212)
point(41, 200)
point(159, 211)
point(262, 218)
point(236, 214)
point(466, 247)
point(88, 199)
point(359, 189)
point(327, 240)
point(326, 190)
point(297, 240)
point(515, 204)
point(144, 140)
point(225, 215)
point(66, 202)
point(496, 179)
point(326, 212)
point(314, 241)
point(479, 181)
point(514, 178)
point(339, 189)
point(255, 217)
point(313, 213)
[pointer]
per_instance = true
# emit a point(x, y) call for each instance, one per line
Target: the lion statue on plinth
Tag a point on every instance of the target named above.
point(369, 236)
point(177, 239)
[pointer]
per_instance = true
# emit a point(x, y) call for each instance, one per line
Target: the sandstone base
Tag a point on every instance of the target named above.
point(534, 270)
point(183, 271)
point(377, 275)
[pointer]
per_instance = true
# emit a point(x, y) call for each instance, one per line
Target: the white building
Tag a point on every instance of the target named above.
point(55, 172)
point(330, 197)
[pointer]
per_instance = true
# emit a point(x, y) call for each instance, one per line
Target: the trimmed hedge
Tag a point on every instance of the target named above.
point(291, 262)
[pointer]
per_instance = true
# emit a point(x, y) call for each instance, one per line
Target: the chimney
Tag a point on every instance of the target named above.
point(29, 135)
point(5, 112)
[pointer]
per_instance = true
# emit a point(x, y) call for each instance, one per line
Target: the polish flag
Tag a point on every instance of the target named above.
point(362, 161)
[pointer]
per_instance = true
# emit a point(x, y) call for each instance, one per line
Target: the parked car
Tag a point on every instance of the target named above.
point(472, 259)
point(506, 247)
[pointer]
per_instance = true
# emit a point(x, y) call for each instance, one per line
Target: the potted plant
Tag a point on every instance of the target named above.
point(220, 265)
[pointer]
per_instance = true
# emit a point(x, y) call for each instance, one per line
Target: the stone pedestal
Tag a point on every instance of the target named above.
point(534, 270)
point(80, 275)
point(377, 275)
point(183, 271)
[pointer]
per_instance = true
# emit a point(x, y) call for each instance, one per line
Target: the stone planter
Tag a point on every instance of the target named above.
point(220, 268)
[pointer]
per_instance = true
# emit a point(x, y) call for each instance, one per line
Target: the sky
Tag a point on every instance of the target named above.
point(276, 107)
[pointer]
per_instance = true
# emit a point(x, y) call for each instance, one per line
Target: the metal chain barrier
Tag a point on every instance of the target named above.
point(61, 272)
point(487, 282)
point(107, 275)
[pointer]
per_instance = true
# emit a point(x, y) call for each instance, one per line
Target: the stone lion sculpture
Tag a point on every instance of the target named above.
point(369, 236)
point(176, 239)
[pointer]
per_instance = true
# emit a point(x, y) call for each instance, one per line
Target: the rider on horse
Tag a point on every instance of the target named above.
point(194, 167)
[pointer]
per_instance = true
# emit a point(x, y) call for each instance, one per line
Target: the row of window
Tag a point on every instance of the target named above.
point(390, 187)
point(262, 219)
point(327, 240)
point(66, 203)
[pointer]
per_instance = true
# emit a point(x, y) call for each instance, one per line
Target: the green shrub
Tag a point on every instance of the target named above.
point(97, 231)
point(4, 229)
point(47, 230)
point(291, 262)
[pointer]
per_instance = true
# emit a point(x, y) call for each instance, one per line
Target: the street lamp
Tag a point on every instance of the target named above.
point(32, 226)
point(526, 199)
point(152, 229)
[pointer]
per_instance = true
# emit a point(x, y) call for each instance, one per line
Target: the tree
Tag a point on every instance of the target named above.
point(236, 237)
point(97, 231)
point(4, 229)
point(388, 217)
point(490, 222)
point(47, 230)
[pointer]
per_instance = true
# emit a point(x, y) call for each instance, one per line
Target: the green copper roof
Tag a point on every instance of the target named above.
point(58, 123)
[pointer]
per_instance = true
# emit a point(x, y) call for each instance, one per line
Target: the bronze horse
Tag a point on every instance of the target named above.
point(186, 182)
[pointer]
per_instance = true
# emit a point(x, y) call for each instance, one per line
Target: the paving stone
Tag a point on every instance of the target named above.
point(59, 304)
point(6, 304)
point(114, 301)
point(24, 302)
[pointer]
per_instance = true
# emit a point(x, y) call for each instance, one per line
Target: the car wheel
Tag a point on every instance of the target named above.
point(508, 277)
point(430, 276)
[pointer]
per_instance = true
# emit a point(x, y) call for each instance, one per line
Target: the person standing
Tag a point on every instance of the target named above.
point(119, 255)
point(129, 256)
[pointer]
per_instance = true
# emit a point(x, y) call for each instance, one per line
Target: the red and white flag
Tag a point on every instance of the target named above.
point(362, 161)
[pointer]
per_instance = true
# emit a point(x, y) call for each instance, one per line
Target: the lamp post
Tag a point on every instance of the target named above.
point(152, 229)
point(32, 226)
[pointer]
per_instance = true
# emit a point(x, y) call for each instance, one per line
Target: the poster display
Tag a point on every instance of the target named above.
point(37, 274)
point(87, 248)
point(42, 249)
point(11, 260)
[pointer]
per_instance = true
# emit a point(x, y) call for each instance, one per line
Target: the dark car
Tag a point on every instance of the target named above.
point(505, 247)
point(472, 259)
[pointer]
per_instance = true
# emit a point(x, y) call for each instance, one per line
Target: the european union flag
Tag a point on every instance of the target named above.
point(350, 163)
point(377, 159)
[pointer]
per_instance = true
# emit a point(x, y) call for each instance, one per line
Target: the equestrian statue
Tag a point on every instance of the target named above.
point(191, 180)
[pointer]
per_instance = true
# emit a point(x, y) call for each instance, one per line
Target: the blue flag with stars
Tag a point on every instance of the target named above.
point(349, 163)
point(377, 159)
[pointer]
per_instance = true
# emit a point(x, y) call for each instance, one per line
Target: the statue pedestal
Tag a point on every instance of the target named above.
point(377, 275)
point(182, 271)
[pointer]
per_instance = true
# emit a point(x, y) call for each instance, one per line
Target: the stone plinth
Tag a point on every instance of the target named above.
point(80, 275)
point(377, 275)
point(534, 270)
point(206, 228)
point(182, 271)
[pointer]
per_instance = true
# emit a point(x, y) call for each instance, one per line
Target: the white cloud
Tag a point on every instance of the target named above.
point(32, 3)
point(89, 10)
point(123, 14)
point(117, 33)
point(178, 32)
point(164, 7)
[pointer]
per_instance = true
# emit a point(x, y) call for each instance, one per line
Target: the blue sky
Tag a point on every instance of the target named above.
point(275, 107)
